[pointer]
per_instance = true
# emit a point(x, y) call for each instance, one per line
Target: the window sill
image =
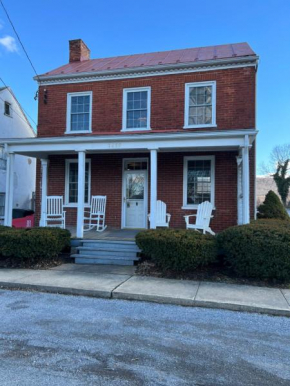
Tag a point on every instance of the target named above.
point(138, 129)
point(78, 132)
point(191, 207)
point(8, 115)
point(198, 126)
point(75, 205)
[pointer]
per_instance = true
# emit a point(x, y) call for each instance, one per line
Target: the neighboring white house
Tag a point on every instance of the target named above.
point(14, 124)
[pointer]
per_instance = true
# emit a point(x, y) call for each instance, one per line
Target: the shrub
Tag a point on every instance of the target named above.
point(179, 250)
point(259, 250)
point(33, 245)
point(4, 228)
point(272, 207)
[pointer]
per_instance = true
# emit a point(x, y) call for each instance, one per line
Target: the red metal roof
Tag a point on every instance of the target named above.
point(188, 55)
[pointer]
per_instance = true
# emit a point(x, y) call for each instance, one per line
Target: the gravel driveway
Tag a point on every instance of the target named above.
point(65, 340)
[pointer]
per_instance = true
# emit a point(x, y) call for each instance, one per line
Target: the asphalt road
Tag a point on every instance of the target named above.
point(51, 340)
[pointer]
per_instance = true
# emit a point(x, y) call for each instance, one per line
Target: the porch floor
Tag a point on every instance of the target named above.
point(109, 233)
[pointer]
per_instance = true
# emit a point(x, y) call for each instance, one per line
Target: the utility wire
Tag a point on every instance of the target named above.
point(21, 106)
point(18, 37)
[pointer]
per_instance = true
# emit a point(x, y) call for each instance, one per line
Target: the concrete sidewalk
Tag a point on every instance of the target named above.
point(121, 283)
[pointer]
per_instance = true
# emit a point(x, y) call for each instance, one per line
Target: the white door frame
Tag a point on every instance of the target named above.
point(124, 173)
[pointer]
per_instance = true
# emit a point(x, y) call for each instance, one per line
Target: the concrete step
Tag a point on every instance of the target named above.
point(110, 245)
point(120, 254)
point(106, 257)
point(84, 259)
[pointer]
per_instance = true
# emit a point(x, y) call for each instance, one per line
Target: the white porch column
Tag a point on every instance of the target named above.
point(246, 182)
point(44, 164)
point(153, 187)
point(81, 193)
point(9, 189)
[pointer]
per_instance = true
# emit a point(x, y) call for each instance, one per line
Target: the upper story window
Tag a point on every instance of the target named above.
point(198, 180)
point(200, 105)
point(79, 112)
point(7, 109)
point(136, 108)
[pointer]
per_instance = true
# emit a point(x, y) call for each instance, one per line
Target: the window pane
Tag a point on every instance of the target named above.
point(137, 109)
point(198, 181)
point(73, 183)
point(80, 113)
point(200, 105)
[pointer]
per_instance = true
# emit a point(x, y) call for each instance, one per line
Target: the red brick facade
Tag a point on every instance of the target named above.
point(235, 102)
point(235, 109)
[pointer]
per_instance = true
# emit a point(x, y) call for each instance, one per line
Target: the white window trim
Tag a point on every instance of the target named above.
point(186, 104)
point(68, 112)
point(66, 195)
point(212, 176)
point(124, 114)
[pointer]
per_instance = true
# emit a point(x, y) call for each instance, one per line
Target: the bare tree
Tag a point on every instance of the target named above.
point(279, 168)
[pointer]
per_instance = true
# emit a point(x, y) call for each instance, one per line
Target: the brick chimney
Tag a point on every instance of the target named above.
point(78, 51)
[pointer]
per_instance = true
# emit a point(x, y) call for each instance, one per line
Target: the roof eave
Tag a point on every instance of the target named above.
point(160, 67)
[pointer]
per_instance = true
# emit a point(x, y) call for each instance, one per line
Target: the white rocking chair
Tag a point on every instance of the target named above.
point(97, 214)
point(203, 216)
point(54, 212)
point(162, 218)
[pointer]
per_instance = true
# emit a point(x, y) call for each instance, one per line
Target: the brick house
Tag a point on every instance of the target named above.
point(177, 126)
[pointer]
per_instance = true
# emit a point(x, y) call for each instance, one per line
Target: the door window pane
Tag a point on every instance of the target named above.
point(135, 186)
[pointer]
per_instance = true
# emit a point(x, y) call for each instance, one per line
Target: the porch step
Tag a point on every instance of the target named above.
point(89, 259)
point(110, 252)
point(122, 253)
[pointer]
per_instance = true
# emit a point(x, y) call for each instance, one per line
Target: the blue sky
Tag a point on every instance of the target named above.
point(117, 27)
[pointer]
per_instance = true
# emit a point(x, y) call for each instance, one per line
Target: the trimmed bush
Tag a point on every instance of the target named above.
point(33, 245)
point(179, 250)
point(272, 207)
point(258, 250)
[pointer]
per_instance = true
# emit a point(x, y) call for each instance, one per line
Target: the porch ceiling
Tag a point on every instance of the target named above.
point(163, 142)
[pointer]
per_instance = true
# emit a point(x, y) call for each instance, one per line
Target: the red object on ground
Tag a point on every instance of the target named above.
point(24, 222)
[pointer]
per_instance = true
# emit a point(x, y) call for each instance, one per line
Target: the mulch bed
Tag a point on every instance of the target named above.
point(45, 264)
point(214, 273)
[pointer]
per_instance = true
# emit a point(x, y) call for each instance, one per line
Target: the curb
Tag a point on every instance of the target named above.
point(146, 298)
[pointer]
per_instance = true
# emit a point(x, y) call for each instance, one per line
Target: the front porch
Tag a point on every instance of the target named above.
point(180, 169)
point(109, 234)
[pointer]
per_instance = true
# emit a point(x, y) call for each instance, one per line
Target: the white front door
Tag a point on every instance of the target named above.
point(135, 194)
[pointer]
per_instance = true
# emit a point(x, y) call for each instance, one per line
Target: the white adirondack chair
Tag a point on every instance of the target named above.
point(55, 215)
point(162, 218)
point(97, 214)
point(203, 216)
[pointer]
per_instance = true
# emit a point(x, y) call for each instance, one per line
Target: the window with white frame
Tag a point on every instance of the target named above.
point(200, 104)
point(136, 108)
point(198, 180)
point(71, 182)
point(3, 159)
point(79, 112)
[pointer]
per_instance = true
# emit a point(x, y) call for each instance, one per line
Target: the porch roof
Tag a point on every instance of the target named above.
point(178, 141)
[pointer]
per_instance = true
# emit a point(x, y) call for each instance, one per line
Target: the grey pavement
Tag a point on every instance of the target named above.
point(51, 339)
point(121, 283)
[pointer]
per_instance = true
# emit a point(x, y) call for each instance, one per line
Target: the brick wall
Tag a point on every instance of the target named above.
point(235, 101)
point(106, 179)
